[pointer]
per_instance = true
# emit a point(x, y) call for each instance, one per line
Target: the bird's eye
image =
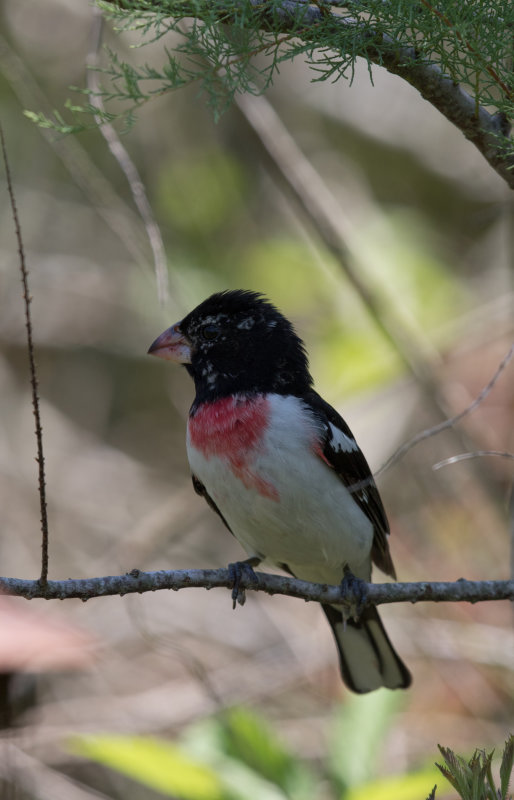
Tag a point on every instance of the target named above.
point(210, 332)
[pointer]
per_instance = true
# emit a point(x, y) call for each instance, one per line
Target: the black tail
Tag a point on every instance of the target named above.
point(368, 659)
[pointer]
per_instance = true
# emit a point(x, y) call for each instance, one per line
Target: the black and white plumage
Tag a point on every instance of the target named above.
point(278, 464)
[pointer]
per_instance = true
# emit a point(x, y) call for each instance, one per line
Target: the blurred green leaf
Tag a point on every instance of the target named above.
point(242, 782)
point(155, 763)
point(359, 729)
point(398, 251)
point(201, 193)
point(284, 268)
point(249, 739)
point(248, 755)
point(400, 787)
point(352, 358)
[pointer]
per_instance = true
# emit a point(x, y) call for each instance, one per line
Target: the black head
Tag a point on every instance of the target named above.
point(237, 341)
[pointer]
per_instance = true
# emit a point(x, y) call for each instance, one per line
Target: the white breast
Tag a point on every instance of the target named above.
point(294, 510)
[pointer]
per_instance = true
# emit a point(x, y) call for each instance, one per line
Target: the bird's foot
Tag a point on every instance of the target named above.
point(241, 572)
point(354, 594)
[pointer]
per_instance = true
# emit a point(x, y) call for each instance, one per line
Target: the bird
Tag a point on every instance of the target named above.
point(281, 467)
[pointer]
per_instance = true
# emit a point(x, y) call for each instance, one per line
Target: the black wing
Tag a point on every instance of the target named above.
point(352, 469)
point(202, 491)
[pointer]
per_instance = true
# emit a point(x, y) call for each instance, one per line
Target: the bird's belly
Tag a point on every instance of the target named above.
point(285, 505)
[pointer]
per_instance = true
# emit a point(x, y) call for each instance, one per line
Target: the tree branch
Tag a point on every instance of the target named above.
point(490, 133)
point(140, 582)
point(120, 153)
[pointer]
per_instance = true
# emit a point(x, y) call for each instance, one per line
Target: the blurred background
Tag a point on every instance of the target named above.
point(427, 229)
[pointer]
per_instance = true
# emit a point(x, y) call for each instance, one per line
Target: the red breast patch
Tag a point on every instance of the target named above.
point(232, 429)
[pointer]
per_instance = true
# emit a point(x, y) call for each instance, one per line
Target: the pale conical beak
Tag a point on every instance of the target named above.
point(172, 345)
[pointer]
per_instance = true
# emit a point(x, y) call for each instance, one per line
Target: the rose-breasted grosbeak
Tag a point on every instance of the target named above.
point(278, 464)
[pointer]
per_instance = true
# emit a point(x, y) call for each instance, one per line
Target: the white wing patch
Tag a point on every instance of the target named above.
point(340, 442)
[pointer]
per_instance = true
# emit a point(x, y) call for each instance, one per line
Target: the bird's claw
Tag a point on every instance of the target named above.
point(354, 594)
point(240, 572)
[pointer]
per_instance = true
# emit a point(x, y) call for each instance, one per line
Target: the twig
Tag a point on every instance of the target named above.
point(474, 454)
point(32, 367)
point(448, 423)
point(140, 582)
point(126, 164)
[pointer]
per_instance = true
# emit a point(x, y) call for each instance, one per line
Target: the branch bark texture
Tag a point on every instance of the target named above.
point(141, 582)
point(488, 132)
